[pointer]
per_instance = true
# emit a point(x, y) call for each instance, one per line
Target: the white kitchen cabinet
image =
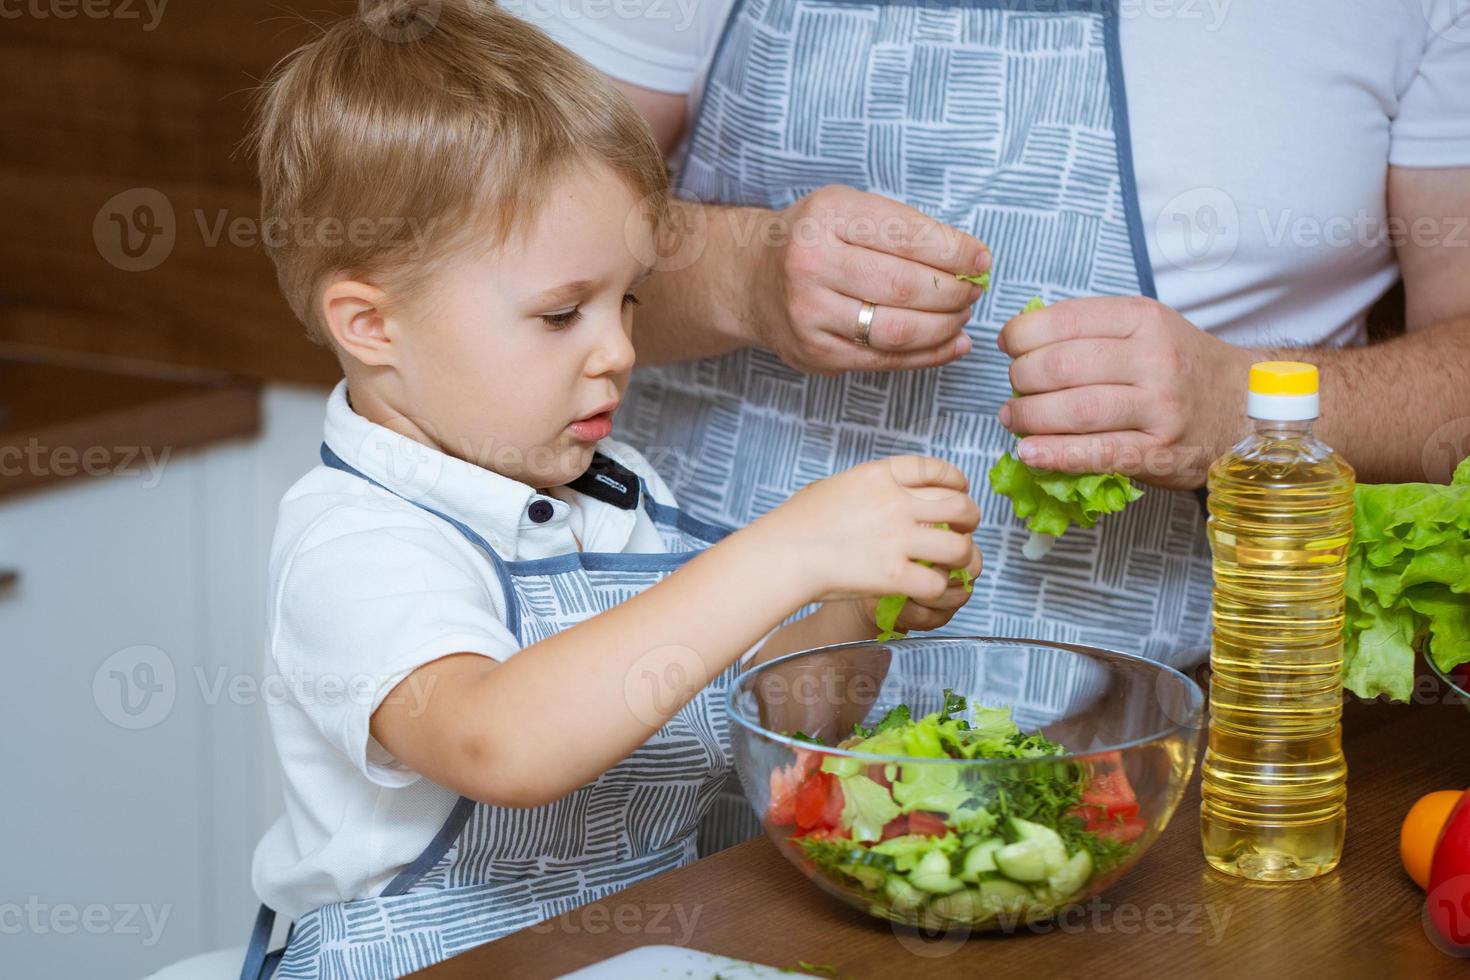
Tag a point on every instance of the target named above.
point(132, 643)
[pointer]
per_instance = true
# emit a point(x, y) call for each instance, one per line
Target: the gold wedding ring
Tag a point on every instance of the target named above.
point(864, 324)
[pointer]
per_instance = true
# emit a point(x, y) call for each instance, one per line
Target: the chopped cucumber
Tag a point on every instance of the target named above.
point(1025, 860)
point(966, 905)
point(901, 895)
point(932, 874)
point(1005, 896)
point(1053, 850)
point(1072, 876)
point(869, 877)
point(980, 859)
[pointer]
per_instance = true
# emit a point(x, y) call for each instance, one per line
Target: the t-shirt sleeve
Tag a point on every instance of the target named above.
point(1432, 127)
point(655, 44)
point(360, 607)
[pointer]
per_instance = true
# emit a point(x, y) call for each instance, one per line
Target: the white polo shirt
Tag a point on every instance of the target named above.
point(366, 587)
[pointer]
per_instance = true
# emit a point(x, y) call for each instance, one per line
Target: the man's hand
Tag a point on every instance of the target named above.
point(821, 258)
point(1123, 385)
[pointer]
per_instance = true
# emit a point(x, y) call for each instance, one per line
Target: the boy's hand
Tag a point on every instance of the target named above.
point(924, 615)
point(861, 534)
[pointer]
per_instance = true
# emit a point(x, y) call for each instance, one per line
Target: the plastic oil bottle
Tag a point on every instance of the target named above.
point(1281, 506)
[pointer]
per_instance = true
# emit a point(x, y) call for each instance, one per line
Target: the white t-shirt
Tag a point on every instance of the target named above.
point(366, 587)
point(1262, 133)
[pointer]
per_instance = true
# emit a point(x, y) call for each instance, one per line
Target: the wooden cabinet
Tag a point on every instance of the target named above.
point(121, 163)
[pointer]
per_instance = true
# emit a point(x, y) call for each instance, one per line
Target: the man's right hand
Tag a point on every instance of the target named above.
point(822, 257)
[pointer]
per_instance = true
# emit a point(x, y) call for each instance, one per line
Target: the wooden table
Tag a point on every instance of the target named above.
point(1171, 917)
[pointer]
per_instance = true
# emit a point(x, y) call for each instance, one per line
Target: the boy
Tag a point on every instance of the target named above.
point(507, 639)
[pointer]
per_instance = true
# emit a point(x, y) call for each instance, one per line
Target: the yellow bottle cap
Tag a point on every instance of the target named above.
point(1283, 378)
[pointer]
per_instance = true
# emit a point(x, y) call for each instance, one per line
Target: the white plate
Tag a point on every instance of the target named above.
point(675, 963)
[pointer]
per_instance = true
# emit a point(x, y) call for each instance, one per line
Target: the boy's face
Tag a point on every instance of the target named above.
point(520, 357)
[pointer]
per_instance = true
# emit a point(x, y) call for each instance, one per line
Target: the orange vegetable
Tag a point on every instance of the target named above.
point(1421, 830)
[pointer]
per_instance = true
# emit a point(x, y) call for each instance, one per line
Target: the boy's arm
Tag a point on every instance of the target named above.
point(531, 729)
point(831, 622)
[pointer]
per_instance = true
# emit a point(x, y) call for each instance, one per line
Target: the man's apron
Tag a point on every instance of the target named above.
point(1008, 124)
point(493, 870)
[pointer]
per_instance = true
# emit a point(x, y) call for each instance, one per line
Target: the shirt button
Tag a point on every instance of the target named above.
point(541, 511)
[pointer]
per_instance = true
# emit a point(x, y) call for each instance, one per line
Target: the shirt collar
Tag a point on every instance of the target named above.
point(496, 507)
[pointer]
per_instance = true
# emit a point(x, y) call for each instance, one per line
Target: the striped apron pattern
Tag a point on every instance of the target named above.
point(1008, 123)
point(493, 870)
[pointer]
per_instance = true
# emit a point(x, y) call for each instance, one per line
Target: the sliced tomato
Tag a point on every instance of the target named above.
point(819, 801)
point(1109, 800)
point(878, 775)
point(929, 824)
point(1125, 831)
point(785, 780)
point(896, 827)
point(832, 813)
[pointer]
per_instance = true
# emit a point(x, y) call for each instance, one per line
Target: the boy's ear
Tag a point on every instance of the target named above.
point(356, 319)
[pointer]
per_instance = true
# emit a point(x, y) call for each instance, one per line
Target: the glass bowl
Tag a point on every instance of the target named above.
point(1457, 680)
point(925, 839)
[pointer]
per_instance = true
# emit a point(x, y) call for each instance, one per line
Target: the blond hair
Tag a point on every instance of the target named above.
point(447, 117)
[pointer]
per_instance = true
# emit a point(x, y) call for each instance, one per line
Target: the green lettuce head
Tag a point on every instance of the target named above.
point(1408, 576)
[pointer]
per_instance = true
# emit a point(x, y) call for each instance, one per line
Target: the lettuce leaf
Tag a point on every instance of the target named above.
point(890, 606)
point(1408, 583)
point(1050, 502)
point(866, 807)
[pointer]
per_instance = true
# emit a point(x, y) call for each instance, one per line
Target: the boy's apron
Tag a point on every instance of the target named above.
point(1008, 124)
point(493, 870)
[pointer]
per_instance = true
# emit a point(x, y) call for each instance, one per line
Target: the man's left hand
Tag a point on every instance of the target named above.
point(1123, 385)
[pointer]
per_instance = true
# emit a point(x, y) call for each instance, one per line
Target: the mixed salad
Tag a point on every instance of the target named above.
point(931, 842)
